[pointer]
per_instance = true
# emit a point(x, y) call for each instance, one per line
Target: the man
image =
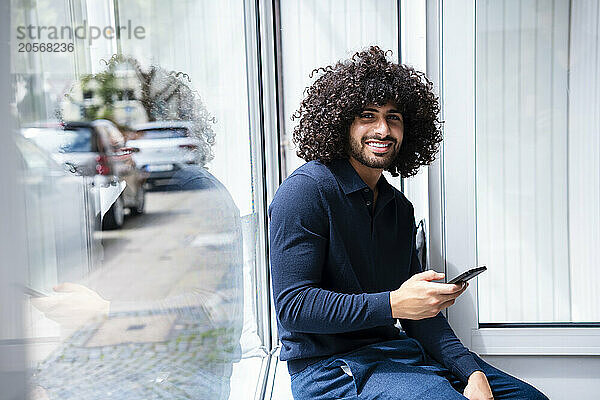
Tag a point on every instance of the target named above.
point(343, 256)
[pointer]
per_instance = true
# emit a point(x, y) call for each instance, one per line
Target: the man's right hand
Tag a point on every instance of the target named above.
point(419, 298)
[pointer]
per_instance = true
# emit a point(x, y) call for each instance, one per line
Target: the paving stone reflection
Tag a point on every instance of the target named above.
point(105, 360)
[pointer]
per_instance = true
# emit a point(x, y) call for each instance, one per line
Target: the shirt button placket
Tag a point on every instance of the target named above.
point(369, 203)
point(368, 198)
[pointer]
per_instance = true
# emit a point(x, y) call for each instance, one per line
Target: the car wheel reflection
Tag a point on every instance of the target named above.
point(140, 203)
point(114, 217)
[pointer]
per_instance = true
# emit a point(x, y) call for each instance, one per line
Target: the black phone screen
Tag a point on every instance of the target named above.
point(465, 276)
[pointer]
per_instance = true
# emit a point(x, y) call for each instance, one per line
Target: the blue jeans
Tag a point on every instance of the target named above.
point(396, 369)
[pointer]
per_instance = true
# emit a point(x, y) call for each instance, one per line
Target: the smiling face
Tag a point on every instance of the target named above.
point(376, 135)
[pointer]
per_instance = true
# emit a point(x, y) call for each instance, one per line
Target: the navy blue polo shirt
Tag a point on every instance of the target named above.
point(335, 257)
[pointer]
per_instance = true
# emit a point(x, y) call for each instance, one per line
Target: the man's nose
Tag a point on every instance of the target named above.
point(382, 128)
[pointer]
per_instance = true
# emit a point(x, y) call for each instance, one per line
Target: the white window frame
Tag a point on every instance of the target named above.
point(264, 98)
point(452, 192)
point(13, 355)
point(412, 43)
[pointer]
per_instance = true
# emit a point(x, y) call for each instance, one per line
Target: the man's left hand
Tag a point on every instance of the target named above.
point(72, 305)
point(478, 387)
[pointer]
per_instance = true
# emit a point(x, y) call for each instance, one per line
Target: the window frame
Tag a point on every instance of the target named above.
point(452, 195)
point(264, 91)
point(13, 369)
point(263, 109)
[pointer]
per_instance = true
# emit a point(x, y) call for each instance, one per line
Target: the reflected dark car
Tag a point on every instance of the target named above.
point(96, 148)
point(166, 147)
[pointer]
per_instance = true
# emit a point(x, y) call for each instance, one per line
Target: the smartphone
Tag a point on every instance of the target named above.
point(465, 276)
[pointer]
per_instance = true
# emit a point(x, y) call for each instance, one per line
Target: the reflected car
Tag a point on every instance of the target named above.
point(166, 147)
point(96, 148)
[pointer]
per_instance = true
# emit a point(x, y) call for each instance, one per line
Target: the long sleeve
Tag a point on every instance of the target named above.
point(299, 234)
point(438, 339)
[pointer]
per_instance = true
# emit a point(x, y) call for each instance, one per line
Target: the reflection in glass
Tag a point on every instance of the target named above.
point(173, 324)
point(78, 140)
point(139, 203)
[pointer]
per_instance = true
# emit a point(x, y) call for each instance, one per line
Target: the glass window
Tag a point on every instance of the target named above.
point(538, 171)
point(141, 253)
point(317, 34)
point(161, 133)
point(78, 140)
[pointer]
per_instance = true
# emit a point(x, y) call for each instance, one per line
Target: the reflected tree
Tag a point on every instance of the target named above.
point(126, 92)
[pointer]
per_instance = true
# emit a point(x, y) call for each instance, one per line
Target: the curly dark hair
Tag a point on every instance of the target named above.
point(345, 89)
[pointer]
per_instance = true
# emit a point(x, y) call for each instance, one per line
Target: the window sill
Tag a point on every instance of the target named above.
point(536, 341)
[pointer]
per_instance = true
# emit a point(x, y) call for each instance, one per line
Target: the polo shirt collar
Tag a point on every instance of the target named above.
point(351, 182)
point(347, 176)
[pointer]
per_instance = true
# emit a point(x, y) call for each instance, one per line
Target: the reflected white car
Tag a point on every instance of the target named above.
point(62, 213)
point(165, 147)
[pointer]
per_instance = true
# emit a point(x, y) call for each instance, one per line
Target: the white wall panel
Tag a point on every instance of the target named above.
point(584, 160)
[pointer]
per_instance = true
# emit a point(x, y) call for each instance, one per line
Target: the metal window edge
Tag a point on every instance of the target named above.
point(536, 341)
point(262, 77)
point(263, 378)
point(271, 375)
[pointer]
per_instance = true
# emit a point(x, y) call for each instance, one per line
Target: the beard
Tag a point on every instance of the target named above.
point(362, 154)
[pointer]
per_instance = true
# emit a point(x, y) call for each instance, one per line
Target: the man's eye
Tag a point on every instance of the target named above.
point(366, 115)
point(395, 117)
